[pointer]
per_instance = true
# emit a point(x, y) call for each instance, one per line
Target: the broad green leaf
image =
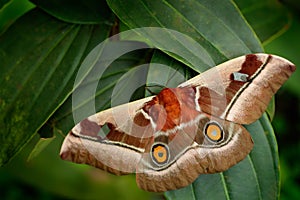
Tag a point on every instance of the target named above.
point(77, 11)
point(39, 59)
point(216, 26)
point(268, 18)
point(270, 134)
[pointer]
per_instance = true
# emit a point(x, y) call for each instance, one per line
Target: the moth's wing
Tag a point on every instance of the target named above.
point(240, 89)
point(112, 140)
point(191, 158)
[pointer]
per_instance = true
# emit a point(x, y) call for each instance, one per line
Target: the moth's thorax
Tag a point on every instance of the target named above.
point(171, 107)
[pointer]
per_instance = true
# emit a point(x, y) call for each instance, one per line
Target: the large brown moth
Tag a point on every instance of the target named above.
point(170, 139)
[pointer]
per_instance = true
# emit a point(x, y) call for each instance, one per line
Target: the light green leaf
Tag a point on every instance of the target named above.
point(271, 109)
point(40, 146)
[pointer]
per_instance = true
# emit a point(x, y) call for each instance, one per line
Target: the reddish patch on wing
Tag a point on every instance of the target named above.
point(140, 120)
point(171, 107)
point(249, 67)
point(211, 102)
point(118, 136)
point(89, 128)
point(92, 129)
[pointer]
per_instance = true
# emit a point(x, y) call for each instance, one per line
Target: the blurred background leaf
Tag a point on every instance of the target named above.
point(286, 120)
point(268, 18)
point(78, 11)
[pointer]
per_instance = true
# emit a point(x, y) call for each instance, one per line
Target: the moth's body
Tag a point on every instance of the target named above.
point(170, 139)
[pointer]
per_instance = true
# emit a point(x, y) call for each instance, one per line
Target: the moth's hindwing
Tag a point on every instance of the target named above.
point(207, 145)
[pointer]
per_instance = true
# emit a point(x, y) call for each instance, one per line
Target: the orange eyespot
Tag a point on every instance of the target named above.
point(160, 153)
point(213, 131)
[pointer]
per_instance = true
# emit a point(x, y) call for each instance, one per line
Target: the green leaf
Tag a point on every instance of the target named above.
point(40, 146)
point(268, 18)
point(77, 11)
point(40, 56)
point(216, 26)
point(271, 109)
point(13, 10)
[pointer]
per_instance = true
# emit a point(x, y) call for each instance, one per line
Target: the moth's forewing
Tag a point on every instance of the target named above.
point(240, 89)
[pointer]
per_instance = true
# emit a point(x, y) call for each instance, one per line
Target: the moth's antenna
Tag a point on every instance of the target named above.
point(182, 69)
point(155, 91)
point(174, 72)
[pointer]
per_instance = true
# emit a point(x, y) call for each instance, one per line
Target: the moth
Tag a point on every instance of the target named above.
point(170, 139)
